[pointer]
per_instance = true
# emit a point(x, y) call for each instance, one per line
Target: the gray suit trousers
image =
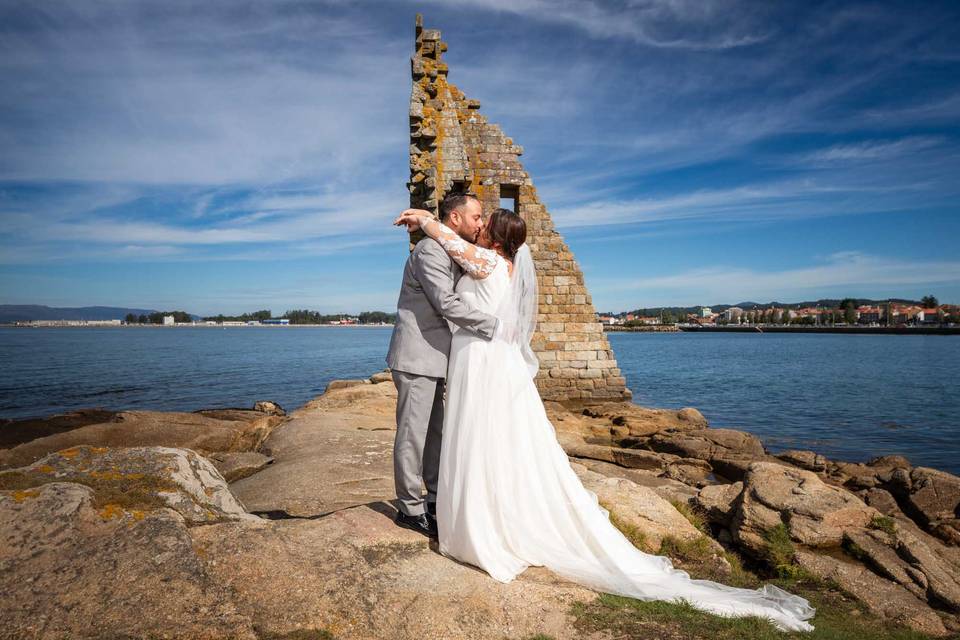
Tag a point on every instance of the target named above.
point(416, 449)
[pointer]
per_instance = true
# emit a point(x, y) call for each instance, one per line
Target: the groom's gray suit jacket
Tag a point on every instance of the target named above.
point(421, 336)
point(417, 356)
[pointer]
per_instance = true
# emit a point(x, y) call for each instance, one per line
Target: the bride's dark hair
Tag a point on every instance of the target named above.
point(508, 230)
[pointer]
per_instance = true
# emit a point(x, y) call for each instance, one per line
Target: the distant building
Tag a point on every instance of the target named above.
point(276, 321)
point(869, 315)
point(705, 312)
point(928, 316)
point(168, 321)
point(733, 314)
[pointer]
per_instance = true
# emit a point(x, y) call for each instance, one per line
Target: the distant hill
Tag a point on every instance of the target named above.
point(25, 312)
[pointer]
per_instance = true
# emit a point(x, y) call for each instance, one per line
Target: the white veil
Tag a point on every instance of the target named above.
point(518, 309)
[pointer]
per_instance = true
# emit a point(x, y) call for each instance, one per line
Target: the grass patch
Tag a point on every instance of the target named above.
point(694, 516)
point(837, 618)
point(299, 634)
point(694, 550)
point(113, 491)
point(884, 523)
point(779, 551)
point(633, 533)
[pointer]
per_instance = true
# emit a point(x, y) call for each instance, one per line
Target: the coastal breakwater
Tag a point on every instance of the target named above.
point(252, 523)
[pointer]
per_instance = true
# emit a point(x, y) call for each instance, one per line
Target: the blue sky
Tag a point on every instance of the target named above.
point(225, 156)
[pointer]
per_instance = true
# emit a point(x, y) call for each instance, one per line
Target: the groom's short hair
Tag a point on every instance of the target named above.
point(453, 201)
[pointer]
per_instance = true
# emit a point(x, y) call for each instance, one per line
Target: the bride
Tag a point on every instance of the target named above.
point(507, 496)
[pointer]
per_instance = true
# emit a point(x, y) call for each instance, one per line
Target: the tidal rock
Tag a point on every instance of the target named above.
point(234, 466)
point(179, 478)
point(882, 500)
point(621, 420)
point(666, 488)
point(941, 577)
point(889, 462)
point(705, 444)
point(205, 432)
point(877, 549)
point(644, 421)
point(930, 497)
point(718, 501)
point(642, 508)
point(72, 570)
point(815, 513)
point(333, 385)
point(809, 460)
point(362, 399)
point(883, 597)
point(729, 452)
point(383, 376)
point(334, 453)
point(272, 408)
point(574, 445)
point(854, 475)
point(356, 575)
point(690, 471)
point(18, 431)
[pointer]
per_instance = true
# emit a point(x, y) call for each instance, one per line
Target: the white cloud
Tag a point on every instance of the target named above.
point(749, 203)
point(872, 150)
point(849, 272)
point(143, 99)
point(664, 24)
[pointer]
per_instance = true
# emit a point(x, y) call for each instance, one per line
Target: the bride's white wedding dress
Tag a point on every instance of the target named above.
point(509, 499)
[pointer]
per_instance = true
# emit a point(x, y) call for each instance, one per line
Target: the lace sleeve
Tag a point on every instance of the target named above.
point(476, 261)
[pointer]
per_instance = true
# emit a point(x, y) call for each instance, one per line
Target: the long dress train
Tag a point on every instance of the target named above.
point(509, 499)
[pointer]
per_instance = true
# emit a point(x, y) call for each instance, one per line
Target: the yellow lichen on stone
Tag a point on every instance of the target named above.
point(23, 494)
point(106, 475)
point(70, 453)
point(110, 511)
point(45, 468)
point(99, 449)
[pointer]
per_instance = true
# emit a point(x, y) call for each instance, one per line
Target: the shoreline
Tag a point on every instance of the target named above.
point(780, 329)
point(194, 326)
point(799, 329)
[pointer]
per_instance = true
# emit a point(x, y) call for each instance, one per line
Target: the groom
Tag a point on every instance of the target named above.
point(417, 357)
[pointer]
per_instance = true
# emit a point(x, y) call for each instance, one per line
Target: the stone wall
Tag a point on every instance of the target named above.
point(452, 146)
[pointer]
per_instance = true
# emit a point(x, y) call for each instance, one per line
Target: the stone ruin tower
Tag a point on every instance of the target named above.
point(453, 147)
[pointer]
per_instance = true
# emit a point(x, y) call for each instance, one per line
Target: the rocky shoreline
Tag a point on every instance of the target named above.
point(252, 523)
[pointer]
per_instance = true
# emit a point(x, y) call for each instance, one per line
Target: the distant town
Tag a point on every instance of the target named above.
point(257, 318)
point(849, 312)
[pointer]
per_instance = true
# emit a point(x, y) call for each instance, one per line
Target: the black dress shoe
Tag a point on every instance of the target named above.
point(421, 523)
